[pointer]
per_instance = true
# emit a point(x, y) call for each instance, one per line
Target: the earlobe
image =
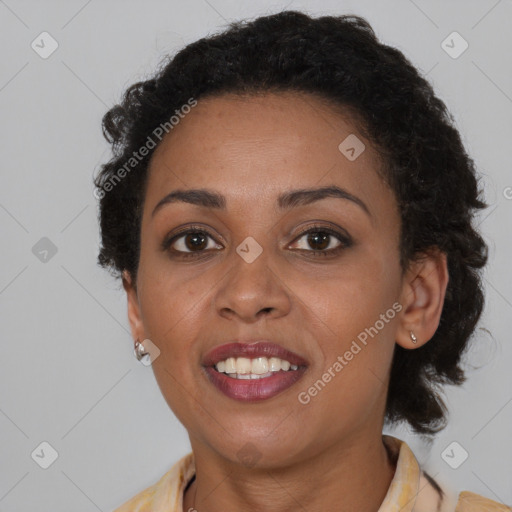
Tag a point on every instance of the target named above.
point(423, 294)
point(134, 315)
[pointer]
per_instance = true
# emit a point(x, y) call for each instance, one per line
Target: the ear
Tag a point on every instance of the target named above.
point(422, 298)
point(134, 316)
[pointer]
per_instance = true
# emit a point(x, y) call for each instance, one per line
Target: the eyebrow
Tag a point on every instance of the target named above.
point(291, 199)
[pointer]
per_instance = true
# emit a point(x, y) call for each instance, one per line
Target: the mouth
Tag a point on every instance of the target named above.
point(253, 371)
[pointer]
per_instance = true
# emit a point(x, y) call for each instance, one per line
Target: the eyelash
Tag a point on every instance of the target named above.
point(345, 241)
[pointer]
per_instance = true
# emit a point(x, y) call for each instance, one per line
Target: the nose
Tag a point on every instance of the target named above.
point(250, 291)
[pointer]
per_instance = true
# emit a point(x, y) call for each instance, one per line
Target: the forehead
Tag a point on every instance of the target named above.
point(252, 147)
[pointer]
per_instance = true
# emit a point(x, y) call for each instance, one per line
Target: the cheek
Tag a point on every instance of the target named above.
point(357, 324)
point(348, 385)
point(171, 312)
point(351, 296)
point(173, 321)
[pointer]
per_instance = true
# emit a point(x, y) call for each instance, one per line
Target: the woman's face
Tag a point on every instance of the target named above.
point(252, 273)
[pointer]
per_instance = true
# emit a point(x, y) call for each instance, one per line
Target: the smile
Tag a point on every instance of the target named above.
point(253, 371)
point(259, 367)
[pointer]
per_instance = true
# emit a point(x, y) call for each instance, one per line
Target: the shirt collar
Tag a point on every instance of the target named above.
point(404, 487)
point(401, 495)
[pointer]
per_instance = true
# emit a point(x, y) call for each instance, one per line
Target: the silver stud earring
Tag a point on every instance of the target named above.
point(413, 337)
point(139, 351)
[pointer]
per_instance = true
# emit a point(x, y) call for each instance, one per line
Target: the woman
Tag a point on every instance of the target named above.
point(289, 207)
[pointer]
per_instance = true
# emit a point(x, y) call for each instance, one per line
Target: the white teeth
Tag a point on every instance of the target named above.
point(243, 365)
point(254, 376)
point(230, 365)
point(249, 376)
point(275, 364)
point(259, 367)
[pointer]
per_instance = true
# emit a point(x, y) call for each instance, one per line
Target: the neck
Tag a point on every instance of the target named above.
point(355, 476)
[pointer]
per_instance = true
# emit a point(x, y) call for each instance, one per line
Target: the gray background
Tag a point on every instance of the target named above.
point(67, 372)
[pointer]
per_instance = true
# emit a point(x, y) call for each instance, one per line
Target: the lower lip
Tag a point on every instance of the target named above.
point(253, 390)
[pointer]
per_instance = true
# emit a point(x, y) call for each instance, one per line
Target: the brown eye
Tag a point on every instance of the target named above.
point(191, 241)
point(319, 240)
point(322, 241)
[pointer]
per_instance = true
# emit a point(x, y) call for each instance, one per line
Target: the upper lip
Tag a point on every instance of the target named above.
point(251, 349)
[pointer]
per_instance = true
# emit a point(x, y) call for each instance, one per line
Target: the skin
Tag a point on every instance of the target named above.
point(329, 453)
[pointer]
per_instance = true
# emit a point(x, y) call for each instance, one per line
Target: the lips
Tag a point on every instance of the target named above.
point(251, 349)
point(250, 390)
point(254, 390)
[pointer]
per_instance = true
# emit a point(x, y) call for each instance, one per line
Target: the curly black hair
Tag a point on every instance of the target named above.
point(338, 59)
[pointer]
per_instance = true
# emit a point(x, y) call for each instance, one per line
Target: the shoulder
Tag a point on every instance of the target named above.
point(439, 498)
point(142, 502)
point(414, 490)
point(167, 491)
point(471, 502)
point(434, 497)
